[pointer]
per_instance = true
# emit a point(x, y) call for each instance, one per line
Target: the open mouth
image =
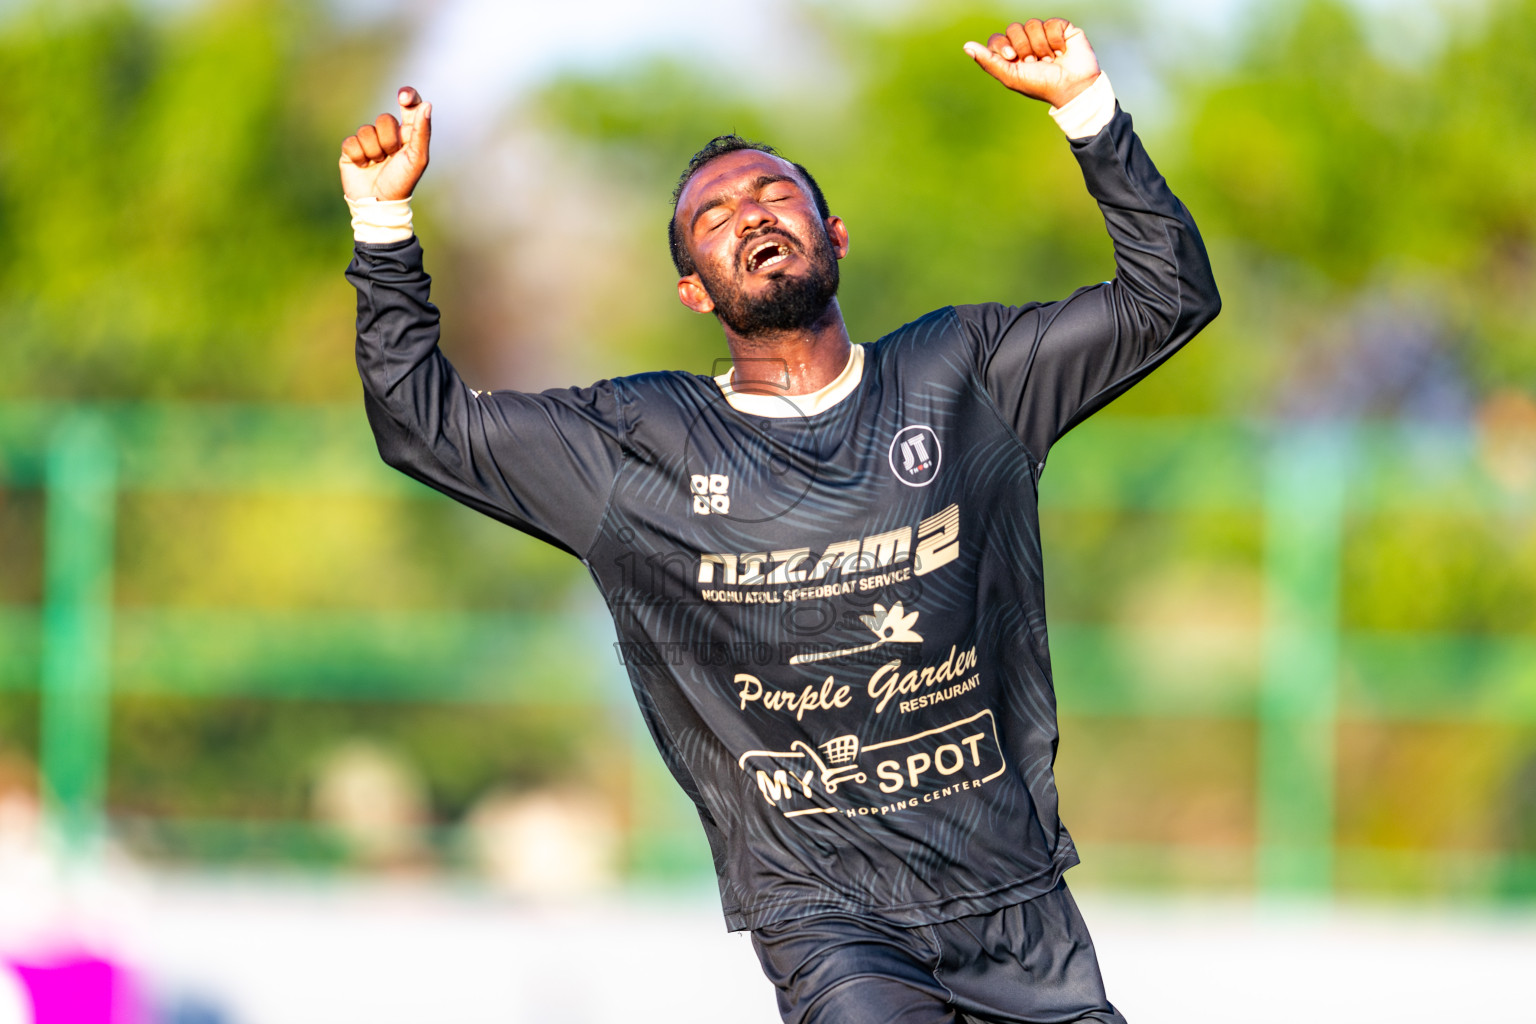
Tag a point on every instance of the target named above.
point(767, 253)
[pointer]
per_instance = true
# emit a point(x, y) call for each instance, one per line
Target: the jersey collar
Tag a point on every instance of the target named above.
point(786, 406)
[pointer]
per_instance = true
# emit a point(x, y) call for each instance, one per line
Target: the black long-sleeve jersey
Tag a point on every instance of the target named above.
point(834, 623)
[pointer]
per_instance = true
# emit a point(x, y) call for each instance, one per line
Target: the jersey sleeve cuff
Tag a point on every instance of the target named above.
point(1089, 111)
point(380, 221)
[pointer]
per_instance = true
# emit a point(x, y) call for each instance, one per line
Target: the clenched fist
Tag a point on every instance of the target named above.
point(1048, 60)
point(386, 159)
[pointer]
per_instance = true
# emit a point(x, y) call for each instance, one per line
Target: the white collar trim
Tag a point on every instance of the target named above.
point(786, 406)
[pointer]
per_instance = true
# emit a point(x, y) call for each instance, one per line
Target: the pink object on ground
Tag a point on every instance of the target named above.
point(79, 989)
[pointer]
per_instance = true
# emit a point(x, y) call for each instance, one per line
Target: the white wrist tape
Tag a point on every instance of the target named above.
point(382, 220)
point(1089, 111)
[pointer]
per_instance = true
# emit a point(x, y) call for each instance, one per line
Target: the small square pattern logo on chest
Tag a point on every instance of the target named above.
point(711, 493)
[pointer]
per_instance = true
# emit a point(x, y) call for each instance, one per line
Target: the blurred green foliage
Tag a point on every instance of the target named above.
point(168, 196)
point(249, 758)
point(1329, 170)
point(168, 200)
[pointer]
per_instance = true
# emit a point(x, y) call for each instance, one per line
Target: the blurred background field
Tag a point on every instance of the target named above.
point(1292, 576)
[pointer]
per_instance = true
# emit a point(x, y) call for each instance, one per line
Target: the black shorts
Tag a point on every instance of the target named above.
point(1031, 963)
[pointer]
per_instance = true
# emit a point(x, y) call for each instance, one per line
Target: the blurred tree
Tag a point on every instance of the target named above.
point(174, 230)
point(1330, 172)
point(168, 199)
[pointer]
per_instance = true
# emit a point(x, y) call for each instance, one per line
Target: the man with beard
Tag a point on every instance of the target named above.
point(824, 566)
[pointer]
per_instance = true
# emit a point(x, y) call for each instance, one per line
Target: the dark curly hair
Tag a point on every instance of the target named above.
point(719, 146)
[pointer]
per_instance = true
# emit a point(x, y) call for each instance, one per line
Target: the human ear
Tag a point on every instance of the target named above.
point(837, 233)
point(691, 293)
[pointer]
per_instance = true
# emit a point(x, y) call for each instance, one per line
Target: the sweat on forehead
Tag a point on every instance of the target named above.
point(742, 169)
point(730, 178)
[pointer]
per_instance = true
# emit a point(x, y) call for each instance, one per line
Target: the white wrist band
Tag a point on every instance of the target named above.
point(381, 220)
point(1085, 114)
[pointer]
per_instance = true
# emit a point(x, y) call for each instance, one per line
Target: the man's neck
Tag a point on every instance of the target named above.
point(795, 362)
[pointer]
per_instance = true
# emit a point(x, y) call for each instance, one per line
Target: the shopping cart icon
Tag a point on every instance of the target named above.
point(839, 765)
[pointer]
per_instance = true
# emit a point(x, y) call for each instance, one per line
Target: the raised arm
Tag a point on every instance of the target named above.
point(1050, 366)
point(544, 463)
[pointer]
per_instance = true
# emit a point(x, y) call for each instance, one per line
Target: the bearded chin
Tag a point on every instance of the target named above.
point(787, 303)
